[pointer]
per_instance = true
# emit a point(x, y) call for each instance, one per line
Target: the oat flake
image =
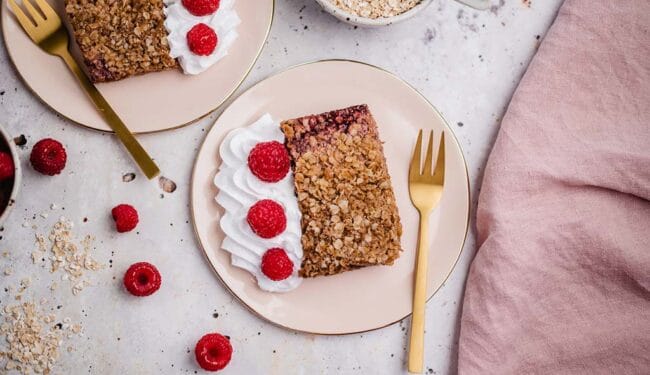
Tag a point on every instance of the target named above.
point(66, 254)
point(32, 341)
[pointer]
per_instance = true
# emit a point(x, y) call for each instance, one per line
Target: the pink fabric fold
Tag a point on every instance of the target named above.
point(561, 281)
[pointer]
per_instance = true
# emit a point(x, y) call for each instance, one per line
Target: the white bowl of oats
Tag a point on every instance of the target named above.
point(371, 13)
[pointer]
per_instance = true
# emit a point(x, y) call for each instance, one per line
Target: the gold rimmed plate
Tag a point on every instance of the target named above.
point(148, 103)
point(364, 299)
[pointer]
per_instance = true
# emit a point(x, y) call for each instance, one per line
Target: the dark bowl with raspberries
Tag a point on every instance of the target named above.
point(9, 174)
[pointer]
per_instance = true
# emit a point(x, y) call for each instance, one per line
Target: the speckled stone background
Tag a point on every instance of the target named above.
point(466, 62)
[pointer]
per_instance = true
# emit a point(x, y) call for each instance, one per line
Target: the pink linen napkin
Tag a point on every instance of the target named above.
point(561, 281)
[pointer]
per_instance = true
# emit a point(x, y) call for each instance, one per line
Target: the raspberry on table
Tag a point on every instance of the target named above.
point(125, 216)
point(142, 279)
point(201, 8)
point(201, 39)
point(48, 157)
point(276, 264)
point(213, 352)
point(7, 167)
point(266, 218)
point(269, 161)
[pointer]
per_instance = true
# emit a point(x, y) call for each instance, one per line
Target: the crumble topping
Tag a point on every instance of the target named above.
point(121, 38)
point(349, 213)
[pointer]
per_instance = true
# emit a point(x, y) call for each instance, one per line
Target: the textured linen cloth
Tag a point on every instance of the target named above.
point(560, 283)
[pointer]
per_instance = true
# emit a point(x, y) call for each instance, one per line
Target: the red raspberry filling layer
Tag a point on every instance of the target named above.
point(142, 279)
point(201, 39)
point(269, 161)
point(201, 7)
point(266, 218)
point(276, 264)
point(213, 352)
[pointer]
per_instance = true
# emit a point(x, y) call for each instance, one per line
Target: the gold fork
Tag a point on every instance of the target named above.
point(47, 31)
point(425, 189)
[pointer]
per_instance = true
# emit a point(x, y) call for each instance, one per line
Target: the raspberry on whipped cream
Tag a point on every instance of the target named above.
point(182, 16)
point(201, 39)
point(276, 265)
point(269, 161)
point(239, 190)
point(266, 218)
point(201, 7)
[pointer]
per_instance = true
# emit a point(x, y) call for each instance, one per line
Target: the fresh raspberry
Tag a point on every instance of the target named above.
point(125, 216)
point(201, 7)
point(142, 279)
point(213, 352)
point(269, 161)
point(201, 39)
point(48, 157)
point(6, 166)
point(276, 265)
point(266, 218)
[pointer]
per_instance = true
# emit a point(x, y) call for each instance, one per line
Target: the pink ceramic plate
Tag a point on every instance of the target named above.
point(151, 102)
point(371, 297)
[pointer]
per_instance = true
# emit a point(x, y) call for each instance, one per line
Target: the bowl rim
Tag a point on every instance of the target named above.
point(353, 19)
point(17, 173)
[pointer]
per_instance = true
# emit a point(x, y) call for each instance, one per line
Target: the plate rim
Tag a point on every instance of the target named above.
point(176, 127)
point(202, 247)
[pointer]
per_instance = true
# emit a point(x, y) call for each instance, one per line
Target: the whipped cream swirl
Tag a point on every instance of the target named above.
point(179, 21)
point(239, 189)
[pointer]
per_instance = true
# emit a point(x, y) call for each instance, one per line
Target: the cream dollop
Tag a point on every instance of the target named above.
point(178, 21)
point(239, 189)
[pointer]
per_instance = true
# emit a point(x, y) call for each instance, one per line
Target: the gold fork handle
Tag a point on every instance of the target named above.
point(416, 343)
point(132, 145)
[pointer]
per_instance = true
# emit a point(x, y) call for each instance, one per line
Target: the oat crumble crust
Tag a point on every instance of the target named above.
point(349, 212)
point(120, 38)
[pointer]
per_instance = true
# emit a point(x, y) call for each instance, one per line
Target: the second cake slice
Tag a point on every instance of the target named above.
point(349, 213)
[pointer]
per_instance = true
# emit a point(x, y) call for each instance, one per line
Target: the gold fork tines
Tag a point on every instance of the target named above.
point(425, 189)
point(417, 173)
point(40, 23)
point(44, 27)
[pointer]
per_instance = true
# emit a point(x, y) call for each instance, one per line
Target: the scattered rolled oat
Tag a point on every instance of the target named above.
point(167, 185)
point(375, 8)
point(128, 177)
point(32, 340)
point(65, 254)
point(24, 284)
